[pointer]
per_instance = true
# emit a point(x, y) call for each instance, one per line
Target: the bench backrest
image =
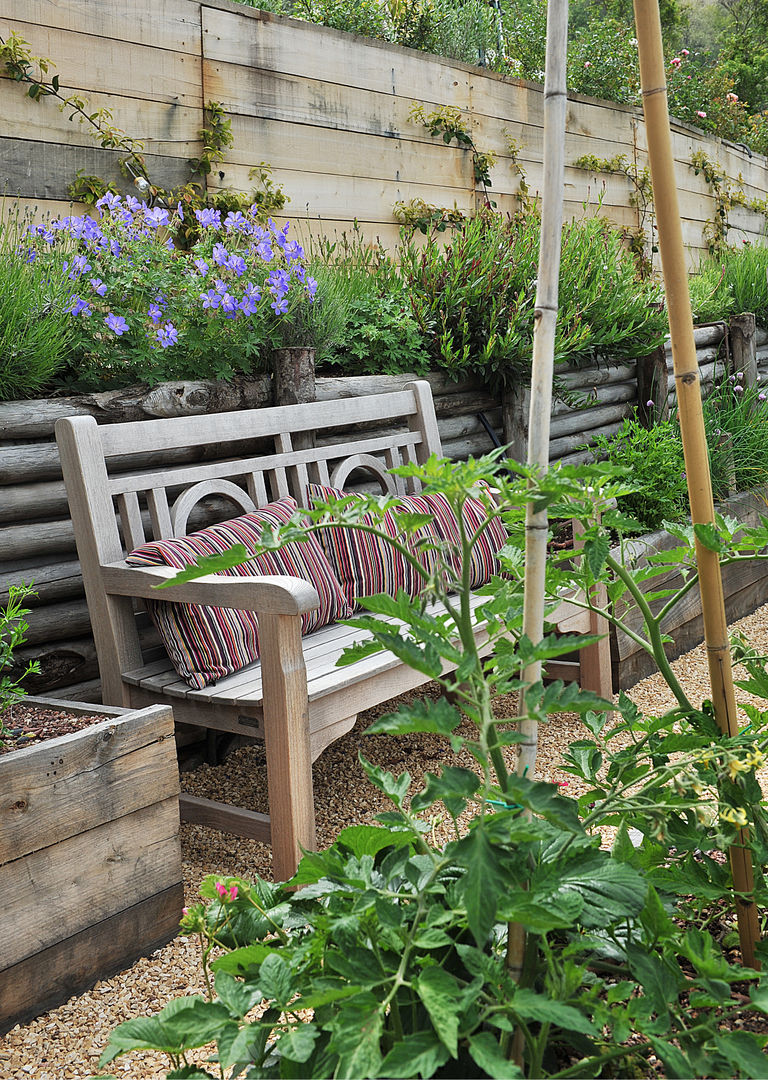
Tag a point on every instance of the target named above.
point(132, 482)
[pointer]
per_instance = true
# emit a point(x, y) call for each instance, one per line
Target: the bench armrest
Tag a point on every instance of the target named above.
point(273, 595)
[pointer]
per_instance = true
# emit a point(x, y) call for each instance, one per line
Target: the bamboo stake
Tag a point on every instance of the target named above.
point(545, 321)
point(653, 79)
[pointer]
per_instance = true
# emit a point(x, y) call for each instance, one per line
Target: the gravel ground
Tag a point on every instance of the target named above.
point(65, 1043)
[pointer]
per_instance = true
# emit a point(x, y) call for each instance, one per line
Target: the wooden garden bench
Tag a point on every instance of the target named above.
point(295, 697)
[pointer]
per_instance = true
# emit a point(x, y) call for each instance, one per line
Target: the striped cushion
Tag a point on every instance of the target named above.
point(366, 565)
point(207, 643)
point(483, 563)
point(363, 564)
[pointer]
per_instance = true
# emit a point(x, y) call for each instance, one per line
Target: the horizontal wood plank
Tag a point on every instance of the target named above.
point(72, 966)
point(60, 890)
point(78, 782)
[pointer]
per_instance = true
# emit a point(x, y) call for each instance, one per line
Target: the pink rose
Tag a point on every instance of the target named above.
point(676, 61)
point(587, 63)
point(732, 97)
point(684, 52)
point(701, 113)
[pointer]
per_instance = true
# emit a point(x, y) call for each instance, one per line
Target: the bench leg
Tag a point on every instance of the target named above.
point(595, 660)
point(286, 737)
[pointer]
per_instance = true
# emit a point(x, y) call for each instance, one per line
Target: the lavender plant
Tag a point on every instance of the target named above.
point(141, 310)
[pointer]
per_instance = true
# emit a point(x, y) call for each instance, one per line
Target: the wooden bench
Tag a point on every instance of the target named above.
point(295, 698)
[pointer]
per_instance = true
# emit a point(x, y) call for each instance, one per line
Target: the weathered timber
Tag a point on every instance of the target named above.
point(743, 349)
point(59, 581)
point(57, 622)
point(33, 419)
point(89, 830)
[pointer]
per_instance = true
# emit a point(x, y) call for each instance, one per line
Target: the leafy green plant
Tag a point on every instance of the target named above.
point(13, 628)
point(654, 459)
point(35, 329)
point(474, 299)
point(398, 946)
point(144, 311)
point(736, 419)
point(731, 282)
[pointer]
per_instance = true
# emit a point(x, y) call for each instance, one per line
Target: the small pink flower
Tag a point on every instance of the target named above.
point(185, 911)
point(701, 113)
point(732, 97)
point(649, 404)
point(676, 61)
point(222, 889)
point(684, 52)
point(688, 76)
point(233, 893)
point(761, 397)
point(587, 63)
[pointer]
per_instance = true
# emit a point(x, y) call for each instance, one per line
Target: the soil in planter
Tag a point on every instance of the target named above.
point(26, 725)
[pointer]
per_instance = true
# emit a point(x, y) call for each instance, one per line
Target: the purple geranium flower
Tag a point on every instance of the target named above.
point(280, 304)
point(202, 266)
point(77, 306)
point(229, 304)
point(80, 266)
point(98, 286)
point(238, 264)
point(211, 299)
point(116, 323)
point(235, 220)
point(155, 313)
point(167, 335)
point(220, 255)
point(157, 217)
point(311, 287)
point(108, 199)
point(208, 218)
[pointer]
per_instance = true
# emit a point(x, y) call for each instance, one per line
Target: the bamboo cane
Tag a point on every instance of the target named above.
point(686, 369)
point(545, 320)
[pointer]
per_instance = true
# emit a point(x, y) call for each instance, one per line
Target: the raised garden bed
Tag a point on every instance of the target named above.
point(745, 588)
point(90, 863)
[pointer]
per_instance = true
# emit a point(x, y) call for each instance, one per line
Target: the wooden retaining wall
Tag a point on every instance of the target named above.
point(329, 111)
point(36, 535)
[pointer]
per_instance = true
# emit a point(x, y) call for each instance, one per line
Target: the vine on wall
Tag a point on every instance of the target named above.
point(18, 63)
point(639, 241)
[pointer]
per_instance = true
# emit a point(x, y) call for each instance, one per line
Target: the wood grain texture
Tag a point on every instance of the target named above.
point(72, 966)
point(75, 882)
point(77, 782)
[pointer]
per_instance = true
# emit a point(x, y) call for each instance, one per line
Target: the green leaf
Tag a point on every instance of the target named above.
point(661, 981)
point(453, 787)
point(238, 997)
point(708, 536)
point(483, 883)
point(370, 839)
point(275, 980)
point(744, 1051)
point(440, 994)
point(419, 1054)
point(532, 1006)
point(356, 1038)
point(487, 1055)
point(656, 922)
point(395, 787)
point(209, 564)
point(677, 1065)
point(539, 917)
point(198, 1023)
point(596, 551)
point(298, 1043)
point(244, 960)
point(422, 715)
point(611, 891)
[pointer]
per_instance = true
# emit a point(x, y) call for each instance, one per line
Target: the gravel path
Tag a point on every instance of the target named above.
point(65, 1044)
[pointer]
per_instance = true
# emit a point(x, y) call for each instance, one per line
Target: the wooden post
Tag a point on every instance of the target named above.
point(652, 386)
point(515, 404)
point(743, 347)
point(294, 371)
point(687, 380)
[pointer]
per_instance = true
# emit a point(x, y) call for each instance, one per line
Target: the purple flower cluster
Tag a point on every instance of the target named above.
point(249, 272)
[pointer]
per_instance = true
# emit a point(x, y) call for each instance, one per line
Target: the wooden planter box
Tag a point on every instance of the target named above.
point(90, 864)
point(745, 589)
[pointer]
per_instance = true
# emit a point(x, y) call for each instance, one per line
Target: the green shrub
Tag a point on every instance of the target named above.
point(731, 282)
point(736, 420)
point(656, 471)
point(13, 628)
point(35, 331)
point(474, 299)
